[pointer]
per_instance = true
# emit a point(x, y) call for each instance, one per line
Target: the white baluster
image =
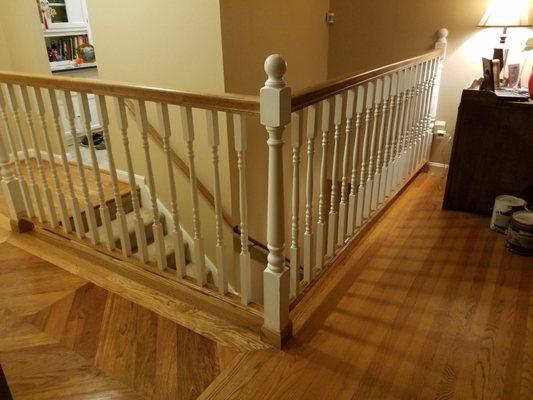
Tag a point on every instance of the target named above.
point(239, 123)
point(420, 115)
point(89, 206)
point(275, 100)
point(213, 139)
point(199, 255)
point(353, 200)
point(125, 242)
point(74, 203)
point(402, 84)
point(415, 126)
point(308, 234)
point(157, 227)
point(343, 206)
point(366, 136)
point(379, 165)
point(28, 205)
point(333, 211)
point(34, 189)
point(370, 183)
point(321, 224)
point(386, 174)
point(104, 209)
point(65, 219)
point(427, 110)
point(140, 233)
point(28, 113)
point(297, 128)
point(404, 126)
point(408, 124)
point(425, 123)
point(177, 234)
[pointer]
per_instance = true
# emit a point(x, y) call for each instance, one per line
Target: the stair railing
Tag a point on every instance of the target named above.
point(378, 123)
point(392, 111)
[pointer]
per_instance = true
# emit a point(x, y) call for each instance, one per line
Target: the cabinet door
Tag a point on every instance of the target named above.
point(65, 14)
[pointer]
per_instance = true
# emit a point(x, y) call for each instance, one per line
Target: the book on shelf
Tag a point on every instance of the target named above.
point(64, 48)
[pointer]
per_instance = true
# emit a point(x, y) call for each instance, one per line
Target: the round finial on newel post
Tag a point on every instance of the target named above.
point(442, 34)
point(275, 68)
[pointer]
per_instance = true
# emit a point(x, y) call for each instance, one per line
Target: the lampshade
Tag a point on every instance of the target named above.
point(506, 14)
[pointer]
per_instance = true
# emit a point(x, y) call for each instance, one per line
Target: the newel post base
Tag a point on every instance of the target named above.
point(277, 328)
point(15, 202)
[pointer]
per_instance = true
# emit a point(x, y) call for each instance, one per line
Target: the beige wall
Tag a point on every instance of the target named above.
point(369, 34)
point(23, 39)
point(5, 58)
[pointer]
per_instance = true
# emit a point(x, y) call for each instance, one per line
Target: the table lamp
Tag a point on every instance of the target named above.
point(506, 14)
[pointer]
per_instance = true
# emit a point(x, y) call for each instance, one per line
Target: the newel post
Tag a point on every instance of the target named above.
point(11, 190)
point(275, 101)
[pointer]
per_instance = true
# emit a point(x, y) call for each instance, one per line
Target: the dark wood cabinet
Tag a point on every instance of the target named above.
point(492, 153)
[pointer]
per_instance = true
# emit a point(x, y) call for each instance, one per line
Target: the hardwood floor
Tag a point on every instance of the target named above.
point(64, 338)
point(429, 305)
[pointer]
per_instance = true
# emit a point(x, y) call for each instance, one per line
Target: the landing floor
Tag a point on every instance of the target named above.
point(428, 305)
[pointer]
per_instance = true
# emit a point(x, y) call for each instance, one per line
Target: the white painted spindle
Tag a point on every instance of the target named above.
point(308, 234)
point(140, 233)
point(176, 232)
point(386, 173)
point(343, 206)
point(353, 199)
point(159, 236)
point(296, 141)
point(104, 209)
point(333, 208)
point(213, 139)
point(366, 136)
point(379, 166)
point(321, 224)
point(198, 250)
point(367, 207)
point(239, 123)
point(125, 242)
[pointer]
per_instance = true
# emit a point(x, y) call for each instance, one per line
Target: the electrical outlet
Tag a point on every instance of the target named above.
point(330, 17)
point(440, 128)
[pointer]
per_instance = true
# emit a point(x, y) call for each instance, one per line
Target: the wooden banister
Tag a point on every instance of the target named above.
point(325, 90)
point(222, 102)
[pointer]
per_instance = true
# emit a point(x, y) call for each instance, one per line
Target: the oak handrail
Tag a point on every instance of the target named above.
point(243, 104)
point(325, 90)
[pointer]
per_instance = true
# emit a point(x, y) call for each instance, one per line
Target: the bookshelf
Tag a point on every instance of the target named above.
point(66, 27)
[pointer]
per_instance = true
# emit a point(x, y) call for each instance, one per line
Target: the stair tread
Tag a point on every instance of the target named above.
point(169, 250)
point(146, 215)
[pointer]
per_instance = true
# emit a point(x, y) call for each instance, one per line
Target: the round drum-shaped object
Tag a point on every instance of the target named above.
point(504, 207)
point(520, 233)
